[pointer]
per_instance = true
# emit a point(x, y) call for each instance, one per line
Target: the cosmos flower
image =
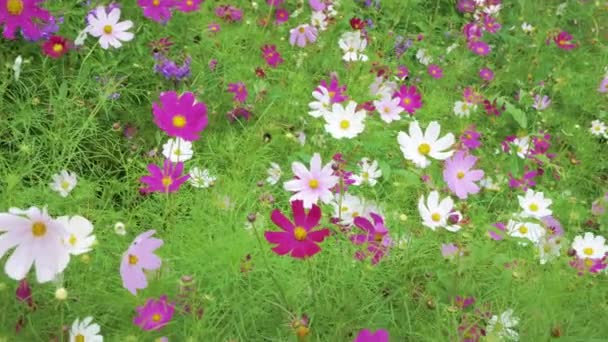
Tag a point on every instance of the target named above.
point(527, 230)
point(470, 138)
point(598, 128)
point(410, 98)
point(310, 186)
point(55, 47)
point(297, 238)
point(322, 106)
point(281, 16)
point(458, 175)
point(188, 5)
point(167, 179)
point(157, 10)
point(22, 14)
point(139, 257)
point(502, 326)
point(418, 147)
point(352, 44)
point(335, 90)
point(435, 71)
point(376, 238)
point(603, 88)
point(345, 122)
point(564, 41)
point(369, 172)
point(486, 74)
point(437, 214)
point(534, 204)
point(463, 109)
point(78, 239)
point(64, 182)
point(177, 150)
point(590, 246)
point(271, 55)
point(180, 116)
point(541, 103)
point(479, 47)
point(106, 26)
point(201, 178)
point(170, 69)
point(239, 90)
point(367, 335)
point(388, 108)
point(155, 314)
point(85, 331)
point(274, 174)
point(303, 35)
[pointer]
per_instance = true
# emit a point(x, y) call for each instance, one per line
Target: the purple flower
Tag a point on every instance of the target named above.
point(238, 112)
point(490, 24)
point(366, 335)
point(402, 72)
point(541, 103)
point(603, 85)
point(463, 303)
point(401, 45)
point(171, 70)
point(303, 35)
point(138, 257)
point(155, 314)
point(22, 14)
point(157, 10)
point(527, 180)
point(435, 71)
point(466, 6)
point(486, 74)
point(167, 179)
point(479, 47)
point(458, 175)
point(336, 92)
point(470, 138)
point(553, 227)
point(497, 235)
point(239, 90)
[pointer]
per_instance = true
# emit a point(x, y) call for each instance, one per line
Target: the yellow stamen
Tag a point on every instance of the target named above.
point(387, 110)
point(107, 29)
point(533, 207)
point(523, 229)
point(301, 29)
point(133, 260)
point(313, 183)
point(407, 100)
point(156, 317)
point(424, 148)
point(378, 237)
point(300, 233)
point(14, 7)
point(460, 175)
point(588, 251)
point(344, 124)
point(179, 121)
point(167, 181)
point(156, 2)
point(57, 48)
point(79, 338)
point(72, 240)
point(38, 229)
point(436, 217)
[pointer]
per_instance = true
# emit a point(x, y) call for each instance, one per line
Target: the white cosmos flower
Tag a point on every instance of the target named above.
point(312, 185)
point(177, 150)
point(82, 36)
point(84, 331)
point(344, 122)
point(106, 26)
point(436, 214)
point(534, 204)
point(527, 230)
point(369, 173)
point(463, 108)
point(418, 147)
point(322, 106)
point(590, 246)
point(319, 19)
point(502, 326)
point(201, 178)
point(353, 45)
point(423, 58)
point(527, 28)
point(548, 250)
point(78, 240)
point(274, 174)
point(381, 88)
point(38, 241)
point(522, 145)
point(352, 207)
point(64, 182)
point(389, 109)
point(598, 128)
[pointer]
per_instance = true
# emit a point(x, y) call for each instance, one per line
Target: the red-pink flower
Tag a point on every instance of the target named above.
point(281, 16)
point(188, 5)
point(271, 55)
point(167, 179)
point(239, 90)
point(20, 14)
point(366, 335)
point(376, 237)
point(157, 10)
point(564, 41)
point(180, 116)
point(155, 314)
point(479, 47)
point(55, 47)
point(486, 74)
point(297, 238)
point(411, 100)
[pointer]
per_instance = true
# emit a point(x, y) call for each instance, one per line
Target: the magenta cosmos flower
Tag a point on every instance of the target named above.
point(303, 35)
point(281, 16)
point(188, 5)
point(366, 335)
point(271, 55)
point(335, 91)
point(459, 176)
point(470, 138)
point(15, 14)
point(155, 314)
point(297, 237)
point(310, 186)
point(56, 47)
point(411, 100)
point(564, 41)
point(180, 117)
point(435, 71)
point(167, 179)
point(479, 47)
point(376, 237)
point(486, 74)
point(138, 257)
point(239, 90)
point(157, 10)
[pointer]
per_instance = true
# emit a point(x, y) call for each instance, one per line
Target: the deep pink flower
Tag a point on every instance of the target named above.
point(281, 16)
point(458, 175)
point(271, 55)
point(229, 13)
point(214, 28)
point(435, 71)
point(463, 302)
point(486, 74)
point(157, 10)
point(479, 47)
point(188, 5)
point(376, 238)
point(472, 32)
point(366, 335)
point(564, 41)
point(297, 238)
point(335, 90)
point(411, 100)
point(497, 235)
point(56, 47)
point(492, 108)
point(169, 179)
point(303, 35)
point(525, 182)
point(24, 293)
point(466, 6)
point(239, 90)
point(138, 257)
point(470, 138)
point(402, 72)
point(490, 24)
point(180, 117)
point(155, 314)
point(584, 265)
point(15, 14)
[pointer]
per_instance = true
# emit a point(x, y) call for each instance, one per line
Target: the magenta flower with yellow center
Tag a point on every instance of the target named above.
point(180, 116)
point(167, 179)
point(155, 314)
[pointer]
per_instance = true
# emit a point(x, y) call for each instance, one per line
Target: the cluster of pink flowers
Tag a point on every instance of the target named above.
point(162, 10)
point(484, 20)
point(229, 13)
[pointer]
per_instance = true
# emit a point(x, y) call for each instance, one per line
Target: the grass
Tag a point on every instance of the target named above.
point(57, 116)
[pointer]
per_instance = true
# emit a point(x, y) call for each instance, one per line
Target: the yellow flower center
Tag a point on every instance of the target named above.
point(179, 121)
point(436, 217)
point(344, 124)
point(523, 229)
point(300, 233)
point(480, 49)
point(301, 29)
point(468, 136)
point(387, 110)
point(38, 229)
point(588, 262)
point(167, 181)
point(562, 42)
point(79, 338)
point(156, 317)
point(424, 149)
point(57, 48)
point(460, 175)
point(107, 29)
point(313, 183)
point(14, 7)
point(533, 207)
point(302, 331)
point(588, 251)
point(407, 100)
point(133, 260)
point(177, 152)
point(355, 214)
point(378, 237)
point(65, 185)
point(156, 2)
point(332, 94)
point(465, 107)
point(365, 175)
point(72, 240)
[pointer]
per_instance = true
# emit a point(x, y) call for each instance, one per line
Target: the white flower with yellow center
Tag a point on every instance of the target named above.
point(177, 150)
point(274, 173)
point(319, 20)
point(598, 128)
point(369, 172)
point(527, 230)
point(201, 178)
point(106, 26)
point(347, 208)
point(437, 214)
point(463, 108)
point(345, 122)
point(353, 45)
point(389, 109)
point(79, 239)
point(418, 147)
point(548, 249)
point(522, 145)
point(534, 204)
point(590, 246)
point(64, 182)
point(84, 331)
point(322, 106)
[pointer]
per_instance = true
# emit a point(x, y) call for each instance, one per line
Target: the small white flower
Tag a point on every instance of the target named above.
point(353, 45)
point(344, 122)
point(382, 89)
point(436, 214)
point(522, 145)
point(318, 19)
point(17, 67)
point(590, 246)
point(598, 128)
point(548, 250)
point(274, 174)
point(561, 9)
point(534, 204)
point(79, 239)
point(489, 184)
point(527, 28)
point(502, 326)
point(106, 26)
point(418, 147)
point(201, 178)
point(463, 108)
point(423, 58)
point(322, 105)
point(389, 109)
point(119, 228)
point(527, 230)
point(64, 182)
point(492, 9)
point(352, 207)
point(369, 173)
point(82, 36)
point(177, 150)
point(451, 48)
point(85, 331)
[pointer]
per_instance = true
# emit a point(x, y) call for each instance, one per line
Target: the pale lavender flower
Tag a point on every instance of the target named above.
point(541, 103)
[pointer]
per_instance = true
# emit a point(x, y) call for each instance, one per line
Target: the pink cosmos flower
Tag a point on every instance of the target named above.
point(317, 5)
point(155, 314)
point(157, 10)
point(463, 302)
point(376, 237)
point(21, 14)
point(490, 25)
point(281, 16)
point(335, 91)
point(56, 47)
point(188, 5)
point(366, 335)
point(486, 74)
point(466, 6)
point(435, 71)
point(169, 179)
point(303, 35)
point(449, 250)
point(402, 72)
point(180, 117)
point(214, 28)
point(499, 234)
point(472, 32)
point(564, 41)
point(541, 103)
point(271, 55)
point(470, 138)
point(297, 238)
point(603, 88)
point(139, 257)
point(229, 13)
point(479, 47)
point(275, 3)
point(239, 90)
point(459, 176)
point(411, 100)
point(310, 186)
